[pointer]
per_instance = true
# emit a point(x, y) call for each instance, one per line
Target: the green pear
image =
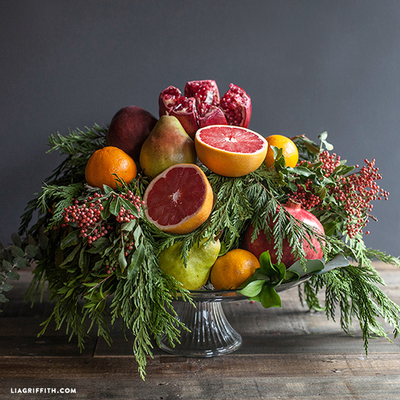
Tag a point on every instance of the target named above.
point(201, 257)
point(167, 144)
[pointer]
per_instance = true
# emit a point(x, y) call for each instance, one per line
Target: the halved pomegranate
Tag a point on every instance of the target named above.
point(201, 105)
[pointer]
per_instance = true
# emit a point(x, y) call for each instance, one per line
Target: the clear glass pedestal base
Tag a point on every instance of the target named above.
point(210, 333)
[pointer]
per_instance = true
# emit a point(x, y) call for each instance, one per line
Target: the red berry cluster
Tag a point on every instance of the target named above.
point(87, 215)
point(329, 162)
point(305, 195)
point(355, 191)
point(124, 214)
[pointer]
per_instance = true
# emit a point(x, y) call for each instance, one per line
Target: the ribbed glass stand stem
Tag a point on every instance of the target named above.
point(210, 332)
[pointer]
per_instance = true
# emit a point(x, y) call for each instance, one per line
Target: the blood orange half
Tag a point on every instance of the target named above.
point(230, 150)
point(179, 199)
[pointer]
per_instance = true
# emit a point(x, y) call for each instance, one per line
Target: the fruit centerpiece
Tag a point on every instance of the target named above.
point(145, 211)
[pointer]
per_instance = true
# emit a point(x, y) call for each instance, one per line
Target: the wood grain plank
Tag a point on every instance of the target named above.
point(286, 353)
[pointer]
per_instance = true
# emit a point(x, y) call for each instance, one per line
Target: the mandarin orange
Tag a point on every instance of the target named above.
point(289, 150)
point(105, 162)
point(233, 268)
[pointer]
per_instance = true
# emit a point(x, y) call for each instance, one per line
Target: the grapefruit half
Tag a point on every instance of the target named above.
point(179, 199)
point(230, 150)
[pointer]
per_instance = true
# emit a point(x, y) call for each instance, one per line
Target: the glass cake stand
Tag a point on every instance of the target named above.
point(210, 333)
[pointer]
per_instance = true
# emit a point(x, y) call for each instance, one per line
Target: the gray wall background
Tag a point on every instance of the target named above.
point(310, 66)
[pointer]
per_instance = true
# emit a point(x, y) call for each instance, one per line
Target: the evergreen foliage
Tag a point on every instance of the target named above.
point(117, 276)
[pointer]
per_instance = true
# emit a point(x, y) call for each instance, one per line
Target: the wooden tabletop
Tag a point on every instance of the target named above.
point(287, 353)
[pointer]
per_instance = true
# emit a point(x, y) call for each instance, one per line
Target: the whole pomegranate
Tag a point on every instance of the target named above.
point(201, 105)
point(263, 243)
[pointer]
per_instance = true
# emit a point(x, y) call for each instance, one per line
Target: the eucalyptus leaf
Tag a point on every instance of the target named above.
point(311, 266)
point(3, 299)
point(5, 287)
point(303, 171)
point(338, 261)
point(17, 251)
point(16, 239)
point(31, 250)
point(12, 275)
point(7, 266)
point(322, 137)
point(21, 262)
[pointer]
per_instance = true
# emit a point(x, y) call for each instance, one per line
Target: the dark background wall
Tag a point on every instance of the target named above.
point(309, 66)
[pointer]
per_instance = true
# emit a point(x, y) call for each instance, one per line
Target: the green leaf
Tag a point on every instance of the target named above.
point(311, 146)
point(337, 262)
point(322, 137)
point(137, 234)
point(107, 189)
point(275, 272)
point(129, 206)
point(122, 259)
point(252, 289)
point(31, 250)
point(302, 171)
point(17, 251)
point(128, 226)
point(72, 239)
point(137, 259)
point(43, 241)
point(311, 266)
point(12, 275)
point(291, 276)
point(115, 206)
point(16, 239)
point(269, 297)
point(266, 264)
point(3, 299)
point(71, 256)
point(21, 262)
point(7, 266)
point(84, 259)
point(98, 265)
point(6, 287)
point(105, 212)
point(99, 245)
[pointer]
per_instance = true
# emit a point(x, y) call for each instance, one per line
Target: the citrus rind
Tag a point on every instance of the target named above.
point(223, 158)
